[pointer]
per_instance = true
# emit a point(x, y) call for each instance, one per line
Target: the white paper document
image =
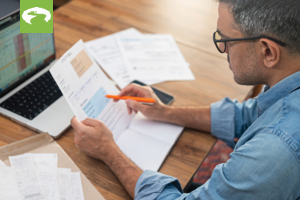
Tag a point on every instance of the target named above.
point(45, 159)
point(25, 173)
point(48, 177)
point(33, 177)
point(154, 57)
point(8, 185)
point(160, 130)
point(106, 52)
point(70, 185)
point(61, 183)
point(84, 86)
point(147, 142)
point(2, 163)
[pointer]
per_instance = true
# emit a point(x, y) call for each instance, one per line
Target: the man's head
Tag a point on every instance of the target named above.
point(261, 61)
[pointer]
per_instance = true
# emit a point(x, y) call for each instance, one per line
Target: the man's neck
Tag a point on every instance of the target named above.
point(285, 68)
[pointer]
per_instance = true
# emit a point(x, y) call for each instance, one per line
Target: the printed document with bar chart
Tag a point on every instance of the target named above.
point(84, 86)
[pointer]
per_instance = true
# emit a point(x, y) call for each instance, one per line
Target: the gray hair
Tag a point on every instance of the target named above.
point(279, 19)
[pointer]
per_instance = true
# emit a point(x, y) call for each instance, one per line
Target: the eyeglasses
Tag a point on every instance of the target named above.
point(221, 44)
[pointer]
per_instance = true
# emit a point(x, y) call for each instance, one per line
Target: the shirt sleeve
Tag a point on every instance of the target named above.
point(230, 119)
point(151, 184)
point(257, 170)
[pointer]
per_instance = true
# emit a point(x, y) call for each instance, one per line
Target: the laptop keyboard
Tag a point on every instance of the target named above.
point(34, 98)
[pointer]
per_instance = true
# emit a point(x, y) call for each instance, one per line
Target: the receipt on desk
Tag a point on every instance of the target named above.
point(25, 173)
point(70, 186)
point(8, 186)
point(64, 169)
point(84, 86)
point(60, 183)
point(45, 159)
point(48, 177)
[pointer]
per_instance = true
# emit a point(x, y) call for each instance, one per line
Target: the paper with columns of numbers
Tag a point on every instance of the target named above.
point(43, 145)
point(84, 86)
point(107, 53)
point(154, 56)
point(45, 159)
point(29, 185)
point(8, 185)
point(37, 177)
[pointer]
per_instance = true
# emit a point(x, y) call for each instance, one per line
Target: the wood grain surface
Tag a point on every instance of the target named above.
point(192, 24)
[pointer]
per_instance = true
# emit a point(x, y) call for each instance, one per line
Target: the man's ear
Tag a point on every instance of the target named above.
point(270, 52)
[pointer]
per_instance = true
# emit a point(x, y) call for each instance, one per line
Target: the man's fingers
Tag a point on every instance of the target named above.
point(125, 91)
point(134, 105)
point(135, 90)
point(76, 124)
point(91, 122)
point(129, 90)
point(129, 110)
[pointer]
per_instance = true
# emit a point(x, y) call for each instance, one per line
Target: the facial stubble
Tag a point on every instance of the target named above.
point(248, 72)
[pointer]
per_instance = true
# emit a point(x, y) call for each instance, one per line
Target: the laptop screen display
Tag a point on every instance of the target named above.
point(21, 54)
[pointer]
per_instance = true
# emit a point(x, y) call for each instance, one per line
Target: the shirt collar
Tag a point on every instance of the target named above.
point(278, 91)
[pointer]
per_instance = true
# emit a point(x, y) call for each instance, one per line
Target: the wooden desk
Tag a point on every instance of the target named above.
point(192, 24)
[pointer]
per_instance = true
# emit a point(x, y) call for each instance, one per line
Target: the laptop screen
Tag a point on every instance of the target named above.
point(21, 54)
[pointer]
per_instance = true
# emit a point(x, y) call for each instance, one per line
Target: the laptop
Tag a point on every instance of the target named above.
point(28, 93)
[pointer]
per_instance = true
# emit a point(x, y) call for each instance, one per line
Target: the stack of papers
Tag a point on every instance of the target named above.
point(36, 177)
point(84, 86)
point(130, 55)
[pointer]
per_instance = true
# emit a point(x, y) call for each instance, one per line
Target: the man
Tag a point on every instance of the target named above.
point(262, 41)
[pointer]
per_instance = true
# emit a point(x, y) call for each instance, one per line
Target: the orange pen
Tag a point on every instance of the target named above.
point(139, 99)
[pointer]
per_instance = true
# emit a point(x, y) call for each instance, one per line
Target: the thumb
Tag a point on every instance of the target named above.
point(91, 122)
point(76, 124)
point(134, 105)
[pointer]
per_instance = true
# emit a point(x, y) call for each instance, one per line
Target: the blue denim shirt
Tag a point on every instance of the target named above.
point(265, 163)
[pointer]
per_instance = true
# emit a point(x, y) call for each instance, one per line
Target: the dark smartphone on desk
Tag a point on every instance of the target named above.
point(164, 97)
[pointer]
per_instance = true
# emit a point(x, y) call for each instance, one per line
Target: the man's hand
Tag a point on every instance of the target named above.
point(155, 111)
point(191, 117)
point(93, 137)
